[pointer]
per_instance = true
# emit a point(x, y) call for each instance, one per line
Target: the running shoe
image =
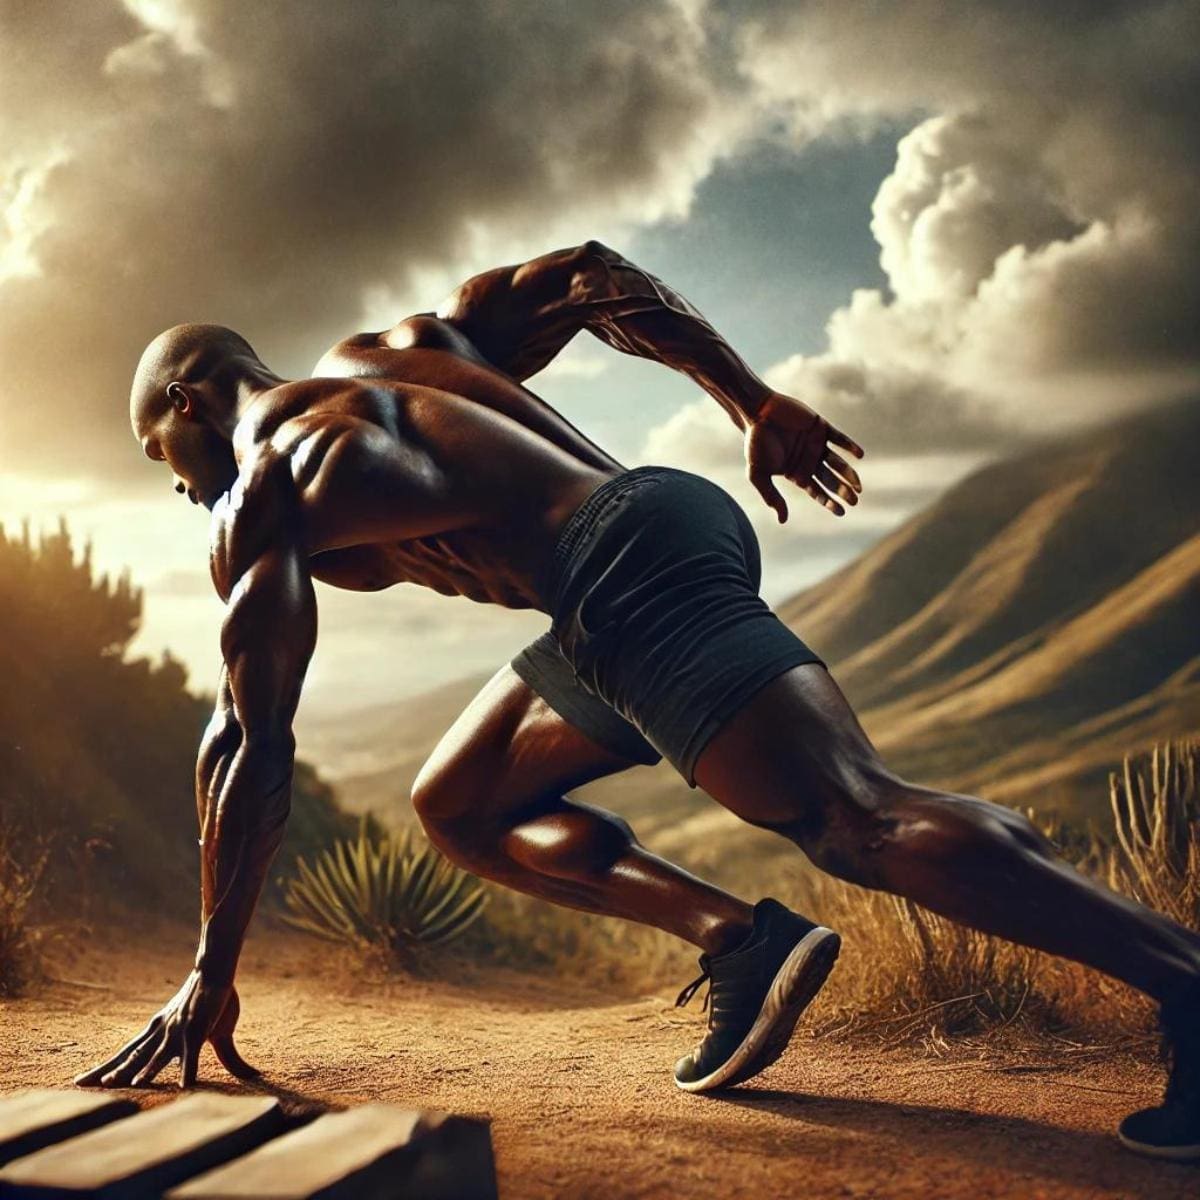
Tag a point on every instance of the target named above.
point(1172, 1129)
point(756, 994)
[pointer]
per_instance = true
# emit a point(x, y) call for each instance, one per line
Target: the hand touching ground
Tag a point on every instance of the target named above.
point(200, 1011)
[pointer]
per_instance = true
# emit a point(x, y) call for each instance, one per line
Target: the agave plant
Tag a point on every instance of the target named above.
point(387, 894)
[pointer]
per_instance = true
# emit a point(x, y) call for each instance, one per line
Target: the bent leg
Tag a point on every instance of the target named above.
point(492, 798)
point(795, 759)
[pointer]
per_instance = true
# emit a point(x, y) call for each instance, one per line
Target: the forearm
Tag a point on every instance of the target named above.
point(242, 830)
point(634, 312)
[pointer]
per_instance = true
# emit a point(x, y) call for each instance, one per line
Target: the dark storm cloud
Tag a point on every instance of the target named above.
point(263, 165)
point(267, 166)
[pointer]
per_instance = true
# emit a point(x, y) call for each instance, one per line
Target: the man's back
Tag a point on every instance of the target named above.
point(423, 349)
point(398, 481)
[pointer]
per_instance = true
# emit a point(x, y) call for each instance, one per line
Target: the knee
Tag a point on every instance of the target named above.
point(436, 793)
point(446, 800)
point(889, 829)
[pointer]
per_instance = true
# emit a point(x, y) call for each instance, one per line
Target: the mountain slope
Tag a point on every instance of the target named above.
point(1047, 598)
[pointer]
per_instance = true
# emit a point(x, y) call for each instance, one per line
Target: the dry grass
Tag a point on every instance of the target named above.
point(21, 874)
point(1156, 813)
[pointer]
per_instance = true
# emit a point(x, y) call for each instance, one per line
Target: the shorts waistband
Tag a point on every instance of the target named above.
point(581, 522)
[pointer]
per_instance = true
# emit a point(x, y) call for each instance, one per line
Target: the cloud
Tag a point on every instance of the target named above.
point(1040, 228)
point(297, 171)
point(272, 167)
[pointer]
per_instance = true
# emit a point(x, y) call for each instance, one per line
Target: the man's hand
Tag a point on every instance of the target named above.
point(200, 1011)
point(785, 437)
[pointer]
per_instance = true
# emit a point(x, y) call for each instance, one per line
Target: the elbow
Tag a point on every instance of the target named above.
point(596, 249)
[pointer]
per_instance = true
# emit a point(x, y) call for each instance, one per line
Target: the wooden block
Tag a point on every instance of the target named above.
point(373, 1152)
point(142, 1155)
point(33, 1119)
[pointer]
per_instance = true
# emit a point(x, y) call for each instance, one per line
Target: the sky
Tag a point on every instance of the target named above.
point(952, 229)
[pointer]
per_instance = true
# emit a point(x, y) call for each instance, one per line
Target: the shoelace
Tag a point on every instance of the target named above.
point(690, 989)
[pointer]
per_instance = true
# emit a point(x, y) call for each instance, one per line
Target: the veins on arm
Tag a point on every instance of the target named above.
point(244, 772)
point(521, 316)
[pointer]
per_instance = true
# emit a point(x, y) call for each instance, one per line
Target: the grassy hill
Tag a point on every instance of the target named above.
point(1013, 640)
point(1039, 619)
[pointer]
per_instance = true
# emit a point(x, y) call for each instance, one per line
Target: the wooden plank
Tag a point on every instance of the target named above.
point(43, 1116)
point(142, 1155)
point(373, 1152)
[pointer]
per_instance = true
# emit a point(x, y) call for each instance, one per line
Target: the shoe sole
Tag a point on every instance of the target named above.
point(798, 980)
point(1170, 1153)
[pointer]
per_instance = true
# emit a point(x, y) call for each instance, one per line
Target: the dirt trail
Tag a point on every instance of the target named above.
point(579, 1091)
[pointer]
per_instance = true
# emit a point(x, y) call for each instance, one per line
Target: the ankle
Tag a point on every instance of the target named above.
point(1183, 997)
point(726, 937)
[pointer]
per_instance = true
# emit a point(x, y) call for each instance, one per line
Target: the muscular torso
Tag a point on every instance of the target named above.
point(488, 466)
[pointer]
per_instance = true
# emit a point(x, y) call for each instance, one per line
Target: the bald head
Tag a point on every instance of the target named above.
point(187, 354)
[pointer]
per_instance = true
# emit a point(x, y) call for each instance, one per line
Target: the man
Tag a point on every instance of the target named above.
point(417, 456)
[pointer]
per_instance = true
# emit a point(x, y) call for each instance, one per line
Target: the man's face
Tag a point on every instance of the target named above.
point(202, 464)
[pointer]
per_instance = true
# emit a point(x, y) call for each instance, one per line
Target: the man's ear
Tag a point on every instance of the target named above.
point(180, 396)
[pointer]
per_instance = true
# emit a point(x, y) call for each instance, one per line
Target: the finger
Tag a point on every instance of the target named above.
point(231, 1060)
point(92, 1077)
point(847, 443)
point(843, 468)
point(167, 1050)
point(191, 1057)
point(766, 488)
point(120, 1075)
point(822, 497)
point(839, 487)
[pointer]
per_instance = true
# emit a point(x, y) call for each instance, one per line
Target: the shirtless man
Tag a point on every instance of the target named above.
point(433, 465)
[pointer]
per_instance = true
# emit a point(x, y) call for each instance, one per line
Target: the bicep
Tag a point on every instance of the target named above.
point(268, 636)
point(520, 316)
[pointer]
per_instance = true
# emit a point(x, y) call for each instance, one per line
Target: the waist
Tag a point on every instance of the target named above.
point(582, 523)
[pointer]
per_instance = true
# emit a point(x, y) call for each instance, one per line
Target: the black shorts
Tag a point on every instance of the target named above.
point(660, 632)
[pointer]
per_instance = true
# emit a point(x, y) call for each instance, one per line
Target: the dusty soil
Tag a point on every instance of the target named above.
point(578, 1086)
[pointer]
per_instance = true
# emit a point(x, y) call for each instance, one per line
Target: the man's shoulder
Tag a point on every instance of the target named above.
point(260, 509)
point(373, 354)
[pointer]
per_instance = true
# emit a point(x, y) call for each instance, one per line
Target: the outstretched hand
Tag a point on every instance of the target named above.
point(200, 1011)
point(786, 437)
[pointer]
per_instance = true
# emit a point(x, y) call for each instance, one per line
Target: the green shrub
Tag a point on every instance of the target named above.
point(385, 894)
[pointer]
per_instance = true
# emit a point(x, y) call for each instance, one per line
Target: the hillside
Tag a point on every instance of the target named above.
point(1039, 619)
point(1012, 640)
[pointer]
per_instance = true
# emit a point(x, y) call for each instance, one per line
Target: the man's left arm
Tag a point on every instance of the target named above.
point(244, 777)
point(520, 317)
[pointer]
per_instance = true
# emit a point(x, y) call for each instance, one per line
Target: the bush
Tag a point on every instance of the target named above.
point(20, 877)
point(388, 894)
point(98, 751)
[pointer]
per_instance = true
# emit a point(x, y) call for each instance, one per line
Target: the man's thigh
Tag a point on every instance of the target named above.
point(507, 748)
point(794, 755)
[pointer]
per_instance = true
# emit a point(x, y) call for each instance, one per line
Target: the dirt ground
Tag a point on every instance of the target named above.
point(579, 1091)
